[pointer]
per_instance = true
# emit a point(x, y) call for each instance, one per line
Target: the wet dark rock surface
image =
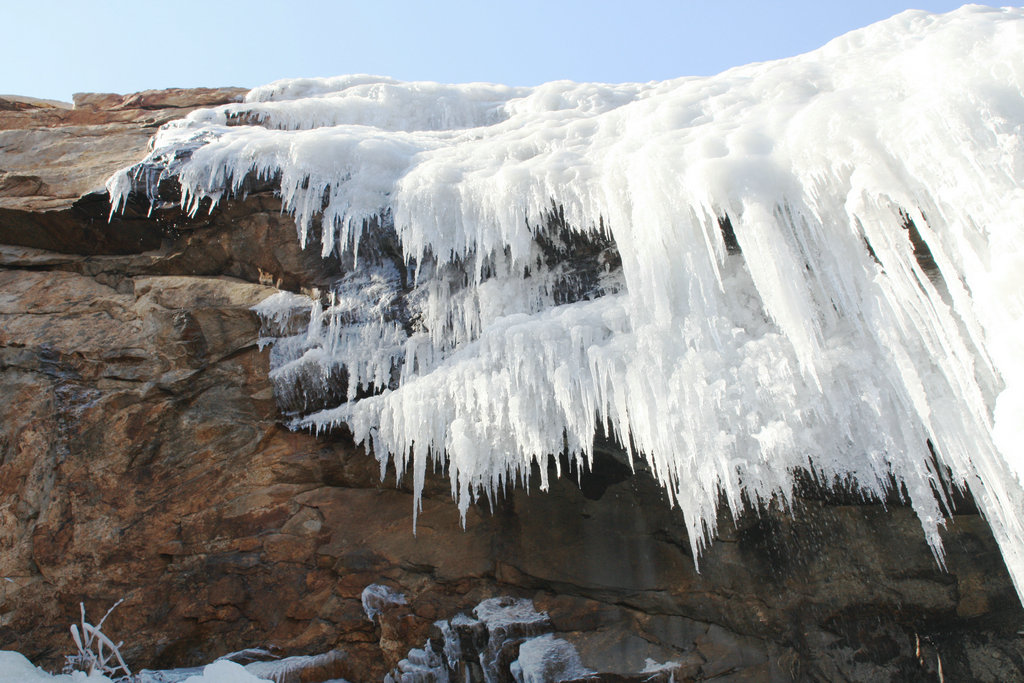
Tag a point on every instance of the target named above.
point(142, 456)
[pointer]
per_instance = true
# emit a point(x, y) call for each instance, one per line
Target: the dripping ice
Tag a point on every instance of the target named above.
point(807, 265)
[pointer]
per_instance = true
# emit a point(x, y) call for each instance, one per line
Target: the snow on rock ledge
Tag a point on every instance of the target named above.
point(813, 263)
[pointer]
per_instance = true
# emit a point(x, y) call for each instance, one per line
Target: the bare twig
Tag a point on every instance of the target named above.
point(96, 652)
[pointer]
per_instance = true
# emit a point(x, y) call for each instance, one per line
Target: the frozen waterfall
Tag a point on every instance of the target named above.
point(812, 264)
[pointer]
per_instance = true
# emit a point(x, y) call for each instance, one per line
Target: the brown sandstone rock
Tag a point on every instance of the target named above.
point(22, 103)
point(50, 155)
point(185, 99)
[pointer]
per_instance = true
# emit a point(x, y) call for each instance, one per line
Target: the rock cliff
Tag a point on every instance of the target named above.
point(143, 456)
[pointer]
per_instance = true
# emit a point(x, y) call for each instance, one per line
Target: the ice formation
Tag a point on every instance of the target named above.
point(547, 658)
point(377, 597)
point(811, 264)
point(478, 648)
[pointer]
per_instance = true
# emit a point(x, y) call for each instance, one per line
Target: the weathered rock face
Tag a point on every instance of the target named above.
point(54, 153)
point(142, 456)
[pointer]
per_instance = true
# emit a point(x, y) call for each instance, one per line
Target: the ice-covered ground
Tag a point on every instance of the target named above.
point(15, 668)
point(808, 264)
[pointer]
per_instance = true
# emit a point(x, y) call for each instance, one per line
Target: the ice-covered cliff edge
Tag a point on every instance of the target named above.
point(811, 264)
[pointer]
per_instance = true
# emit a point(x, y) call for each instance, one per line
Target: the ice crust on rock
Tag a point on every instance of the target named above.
point(419, 666)
point(292, 668)
point(807, 264)
point(507, 637)
point(377, 597)
point(545, 659)
point(508, 619)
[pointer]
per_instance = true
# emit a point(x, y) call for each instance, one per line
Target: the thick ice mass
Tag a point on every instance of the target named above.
point(812, 264)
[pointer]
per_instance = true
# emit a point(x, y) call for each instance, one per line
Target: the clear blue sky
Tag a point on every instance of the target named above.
point(52, 49)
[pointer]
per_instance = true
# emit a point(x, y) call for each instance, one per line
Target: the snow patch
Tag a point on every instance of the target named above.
point(15, 668)
point(223, 671)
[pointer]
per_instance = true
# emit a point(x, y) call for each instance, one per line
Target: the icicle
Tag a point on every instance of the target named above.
point(816, 259)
